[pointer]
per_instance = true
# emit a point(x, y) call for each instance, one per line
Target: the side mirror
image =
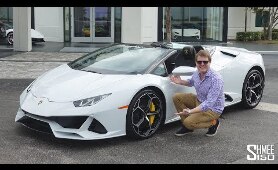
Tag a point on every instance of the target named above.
point(184, 70)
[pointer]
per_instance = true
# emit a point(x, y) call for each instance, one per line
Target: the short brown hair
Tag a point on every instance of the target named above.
point(203, 53)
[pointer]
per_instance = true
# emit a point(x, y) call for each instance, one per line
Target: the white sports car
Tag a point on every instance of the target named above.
point(36, 36)
point(179, 33)
point(186, 30)
point(124, 89)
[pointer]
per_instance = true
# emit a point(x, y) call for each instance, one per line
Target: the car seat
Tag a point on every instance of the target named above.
point(198, 48)
point(186, 57)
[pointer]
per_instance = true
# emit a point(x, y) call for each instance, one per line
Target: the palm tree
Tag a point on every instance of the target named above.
point(168, 24)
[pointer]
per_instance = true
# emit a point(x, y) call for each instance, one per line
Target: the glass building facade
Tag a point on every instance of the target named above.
point(195, 24)
point(103, 24)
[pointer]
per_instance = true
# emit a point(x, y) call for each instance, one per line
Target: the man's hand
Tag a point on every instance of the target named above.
point(176, 79)
point(184, 112)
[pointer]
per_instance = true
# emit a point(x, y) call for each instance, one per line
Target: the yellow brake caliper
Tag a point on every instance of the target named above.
point(152, 109)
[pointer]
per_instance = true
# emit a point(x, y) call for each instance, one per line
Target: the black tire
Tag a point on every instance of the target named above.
point(252, 90)
point(10, 38)
point(145, 115)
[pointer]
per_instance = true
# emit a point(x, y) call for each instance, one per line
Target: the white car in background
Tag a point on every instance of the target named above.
point(35, 35)
point(186, 30)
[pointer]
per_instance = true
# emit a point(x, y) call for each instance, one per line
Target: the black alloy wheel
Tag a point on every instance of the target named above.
point(252, 91)
point(10, 38)
point(145, 115)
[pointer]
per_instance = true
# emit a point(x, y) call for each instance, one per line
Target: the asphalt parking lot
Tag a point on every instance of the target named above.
point(238, 129)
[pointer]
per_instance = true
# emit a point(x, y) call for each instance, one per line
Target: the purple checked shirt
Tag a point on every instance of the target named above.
point(209, 91)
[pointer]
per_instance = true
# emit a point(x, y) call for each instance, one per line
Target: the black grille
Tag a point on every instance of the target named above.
point(36, 124)
point(74, 122)
point(97, 127)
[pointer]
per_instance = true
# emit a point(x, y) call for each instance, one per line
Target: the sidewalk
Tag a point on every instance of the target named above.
point(69, 47)
point(48, 55)
point(30, 65)
point(256, 47)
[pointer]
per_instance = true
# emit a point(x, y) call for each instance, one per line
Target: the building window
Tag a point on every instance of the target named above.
point(195, 24)
point(6, 14)
point(261, 18)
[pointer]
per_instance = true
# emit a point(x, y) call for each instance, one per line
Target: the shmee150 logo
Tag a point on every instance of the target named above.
point(260, 152)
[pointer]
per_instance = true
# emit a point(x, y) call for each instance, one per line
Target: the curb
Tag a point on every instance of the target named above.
point(6, 48)
point(267, 52)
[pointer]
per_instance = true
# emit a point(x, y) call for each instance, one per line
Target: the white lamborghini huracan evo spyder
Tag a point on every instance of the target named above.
point(124, 89)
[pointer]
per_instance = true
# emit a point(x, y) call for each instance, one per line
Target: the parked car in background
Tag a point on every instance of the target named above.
point(186, 30)
point(35, 35)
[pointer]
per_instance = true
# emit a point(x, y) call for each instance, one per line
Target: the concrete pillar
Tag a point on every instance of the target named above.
point(139, 24)
point(22, 29)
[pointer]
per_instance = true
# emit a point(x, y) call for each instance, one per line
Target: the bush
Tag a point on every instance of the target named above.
point(248, 36)
point(274, 35)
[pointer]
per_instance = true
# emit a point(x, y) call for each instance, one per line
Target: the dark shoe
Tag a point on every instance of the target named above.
point(213, 130)
point(183, 131)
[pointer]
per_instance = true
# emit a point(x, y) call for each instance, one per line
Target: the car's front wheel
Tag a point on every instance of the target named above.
point(252, 90)
point(145, 114)
point(10, 38)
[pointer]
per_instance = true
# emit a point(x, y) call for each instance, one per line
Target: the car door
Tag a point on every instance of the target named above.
point(164, 70)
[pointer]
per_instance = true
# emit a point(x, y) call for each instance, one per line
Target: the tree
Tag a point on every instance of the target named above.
point(245, 21)
point(168, 24)
point(271, 21)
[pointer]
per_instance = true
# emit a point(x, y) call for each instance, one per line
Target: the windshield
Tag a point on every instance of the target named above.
point(125, 59)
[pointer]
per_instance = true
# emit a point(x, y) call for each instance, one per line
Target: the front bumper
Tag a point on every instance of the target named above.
point(69, 127)
point(59, 117)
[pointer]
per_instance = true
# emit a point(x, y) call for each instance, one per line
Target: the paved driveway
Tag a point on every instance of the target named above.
point(238, 129)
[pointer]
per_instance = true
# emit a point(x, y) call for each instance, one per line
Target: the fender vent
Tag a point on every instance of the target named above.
point(97, 127)
point(229, 54)
point(228, 98)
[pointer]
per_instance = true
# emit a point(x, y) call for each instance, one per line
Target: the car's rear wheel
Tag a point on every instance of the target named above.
point(252, 90)
point(10, 38)
point(145, 114)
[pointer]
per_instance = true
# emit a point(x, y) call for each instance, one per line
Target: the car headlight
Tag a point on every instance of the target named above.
point(90, 101)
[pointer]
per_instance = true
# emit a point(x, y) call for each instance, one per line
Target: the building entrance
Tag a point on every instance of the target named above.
point(92, 24)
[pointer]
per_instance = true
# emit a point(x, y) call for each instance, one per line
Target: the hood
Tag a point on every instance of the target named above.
point(64, 84)
point(36, 34)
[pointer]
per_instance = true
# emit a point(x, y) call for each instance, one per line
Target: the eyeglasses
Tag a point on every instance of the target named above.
point(200, 62)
